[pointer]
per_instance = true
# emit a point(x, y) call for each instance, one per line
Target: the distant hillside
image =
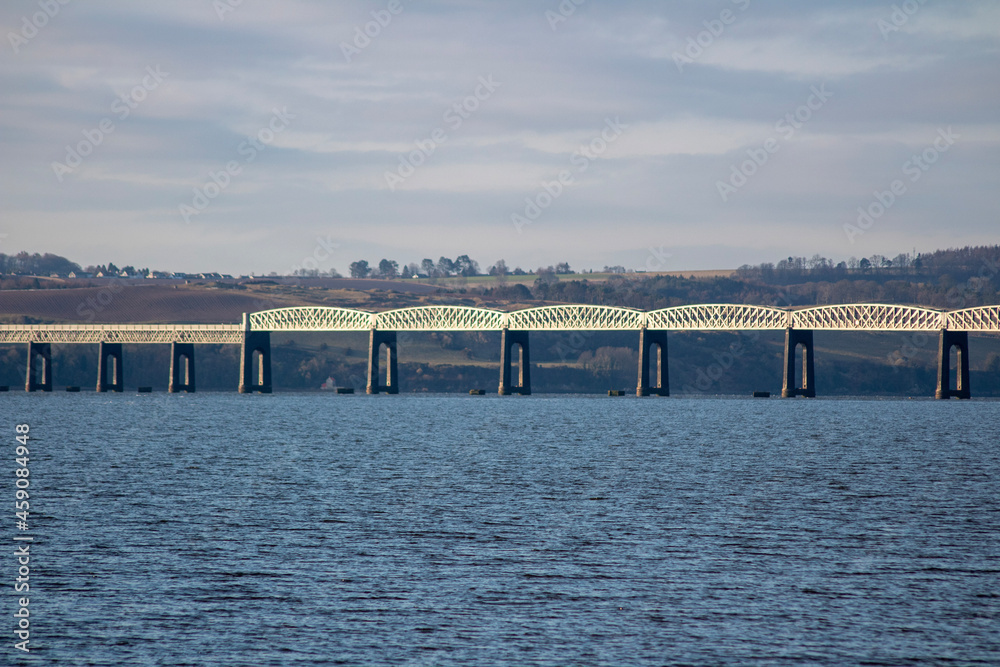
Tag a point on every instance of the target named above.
point(131, 304)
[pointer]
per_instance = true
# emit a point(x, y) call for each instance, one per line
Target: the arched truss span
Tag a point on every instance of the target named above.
point(982, 318)
point(720, 317)
point(311, 319)
point(575, 318)
point(440, 318)
point(869, 317)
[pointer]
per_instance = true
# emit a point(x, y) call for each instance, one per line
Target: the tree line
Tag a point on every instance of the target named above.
point(463, 265)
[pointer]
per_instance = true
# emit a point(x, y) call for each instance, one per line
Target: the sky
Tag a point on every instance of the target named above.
point(255, 136)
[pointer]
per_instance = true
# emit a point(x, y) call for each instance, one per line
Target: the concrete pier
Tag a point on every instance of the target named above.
point(659, 383)
point(39, 359)
point(375, 343)
point(110, 370)
point(947, 341)
point(508, 339)
point(255, 343)
point(181, 368)
point(793, 339)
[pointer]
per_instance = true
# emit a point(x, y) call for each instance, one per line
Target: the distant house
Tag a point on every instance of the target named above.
point(226, 276)
point(180, 274)
point(158, 275)
point(102, 274)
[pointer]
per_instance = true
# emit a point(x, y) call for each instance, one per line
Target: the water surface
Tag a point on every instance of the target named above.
point(305, 529)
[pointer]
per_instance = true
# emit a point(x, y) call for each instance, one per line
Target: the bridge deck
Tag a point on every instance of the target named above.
point(700, 317)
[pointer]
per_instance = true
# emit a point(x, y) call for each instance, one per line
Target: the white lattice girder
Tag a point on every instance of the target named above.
point(869, 317)
point(717, 317)
point(982, 318)
point(311, 318)
point(121, 333)
point(725, 317)
point(440, 318)
point(575, 318)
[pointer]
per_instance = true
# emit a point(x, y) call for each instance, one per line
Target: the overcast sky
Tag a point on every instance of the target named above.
point(255, 136)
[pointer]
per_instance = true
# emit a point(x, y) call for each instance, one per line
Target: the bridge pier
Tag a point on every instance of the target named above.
point(109, 358)
point(255, 342)
point(375, 343)
point(793, 339)
point(39, 352)
point(948, 340)
point(508, 339)
point(181, 368)
point(659, 385)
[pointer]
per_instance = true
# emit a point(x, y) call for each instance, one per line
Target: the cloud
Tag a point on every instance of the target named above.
point(355, 117)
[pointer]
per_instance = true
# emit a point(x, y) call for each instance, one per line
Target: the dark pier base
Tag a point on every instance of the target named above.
point(948, 340)
point(508, 340)
point(181, 368)
point(656, 383)
point(793, 339)
point(255, 343)
point(375, 343)
point(39, 359)
point(110, 370)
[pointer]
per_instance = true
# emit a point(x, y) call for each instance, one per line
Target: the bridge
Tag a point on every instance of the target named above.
point(253, 335)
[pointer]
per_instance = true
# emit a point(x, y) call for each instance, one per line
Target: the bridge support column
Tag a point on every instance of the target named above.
point(508, 339)
point(39, 358)
point(660, 384)
point(181, 368)
point(948, 340)
point(793, 339)
point(109, 358)
point(255, 342)
point(375, 343)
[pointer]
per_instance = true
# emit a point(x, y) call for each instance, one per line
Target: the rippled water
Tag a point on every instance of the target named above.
point(219, 529)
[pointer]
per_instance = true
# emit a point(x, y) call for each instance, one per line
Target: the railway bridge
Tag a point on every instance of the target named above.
point(652, 327)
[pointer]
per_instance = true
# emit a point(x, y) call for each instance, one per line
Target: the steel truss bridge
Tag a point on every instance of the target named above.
point(254, 332)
